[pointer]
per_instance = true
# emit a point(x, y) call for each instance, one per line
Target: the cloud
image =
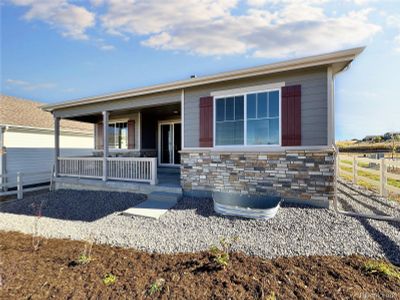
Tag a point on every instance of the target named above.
point(72, 20)
point(107, 47)
point(256, 3)
point(266, 28)
point(260, 28)
point(29, 86)
point(393, 21)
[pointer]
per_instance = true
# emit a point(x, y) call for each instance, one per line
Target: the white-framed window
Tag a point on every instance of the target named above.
point(118, 135)
point(230, 120)
point(249, 119)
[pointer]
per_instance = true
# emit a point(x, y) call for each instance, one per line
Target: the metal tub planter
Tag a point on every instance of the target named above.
point(246, 206)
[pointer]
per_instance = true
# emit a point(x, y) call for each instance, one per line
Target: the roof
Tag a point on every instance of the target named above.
point(26, 113)
point(340, 59)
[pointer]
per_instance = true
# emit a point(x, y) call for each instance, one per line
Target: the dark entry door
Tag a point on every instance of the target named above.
point(170, 143)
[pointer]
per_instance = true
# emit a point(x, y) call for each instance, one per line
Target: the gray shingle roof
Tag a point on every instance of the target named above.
point(23, 112)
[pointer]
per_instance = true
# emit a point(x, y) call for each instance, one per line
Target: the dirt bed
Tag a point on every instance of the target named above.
point(54, 270)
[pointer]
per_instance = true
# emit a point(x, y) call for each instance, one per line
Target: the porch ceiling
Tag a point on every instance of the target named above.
point(156, 111)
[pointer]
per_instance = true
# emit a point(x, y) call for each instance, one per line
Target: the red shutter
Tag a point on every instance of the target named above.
point(99, 136)
point(291, 115)
point(206, 121)
point(131, 134)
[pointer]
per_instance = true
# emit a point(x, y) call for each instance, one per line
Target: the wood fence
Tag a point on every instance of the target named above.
point(382, 174)
point(25, 183)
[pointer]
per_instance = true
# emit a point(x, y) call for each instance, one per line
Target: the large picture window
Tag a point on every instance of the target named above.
point(258, 124)
point(118, 135)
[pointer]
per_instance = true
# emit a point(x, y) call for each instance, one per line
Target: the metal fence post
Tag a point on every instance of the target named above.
point(354, 169)
point(20, 192)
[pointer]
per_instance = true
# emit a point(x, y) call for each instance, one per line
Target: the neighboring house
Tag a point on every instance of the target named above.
point(27, 139)
point(263, 130)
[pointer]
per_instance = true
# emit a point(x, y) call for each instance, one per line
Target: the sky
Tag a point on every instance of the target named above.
point(55, 50)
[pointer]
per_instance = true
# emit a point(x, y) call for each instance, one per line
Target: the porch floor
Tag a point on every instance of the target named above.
point(169, 177)
point(168, 181)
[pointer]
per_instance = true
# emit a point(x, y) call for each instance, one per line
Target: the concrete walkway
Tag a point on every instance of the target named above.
point(155, 206)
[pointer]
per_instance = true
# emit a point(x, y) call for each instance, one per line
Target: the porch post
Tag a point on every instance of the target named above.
point(105, 144)
point(56, 144)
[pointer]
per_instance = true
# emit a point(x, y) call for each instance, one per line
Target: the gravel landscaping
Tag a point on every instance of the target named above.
point(193, 226)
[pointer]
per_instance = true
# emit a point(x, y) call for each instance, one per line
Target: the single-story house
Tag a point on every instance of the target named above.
point(27, 140)
point(262, 130)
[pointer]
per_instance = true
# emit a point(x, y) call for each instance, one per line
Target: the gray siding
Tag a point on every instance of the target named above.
point(313, 103)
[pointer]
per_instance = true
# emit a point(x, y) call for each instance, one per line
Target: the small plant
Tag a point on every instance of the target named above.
point(221, 254)
point(37, 210)
point(86, 257)
point(271, 296)
point(156, 286)
point(109, 279)
point(383, 268)
point(83, 259)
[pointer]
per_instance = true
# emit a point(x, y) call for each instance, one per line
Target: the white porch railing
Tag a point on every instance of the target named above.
point(84, 167)
point(140, 169)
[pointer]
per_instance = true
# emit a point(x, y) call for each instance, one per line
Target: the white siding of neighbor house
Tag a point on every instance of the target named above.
point(34, 160)
point(45, 140)
point(34, 152)
point(313, 103)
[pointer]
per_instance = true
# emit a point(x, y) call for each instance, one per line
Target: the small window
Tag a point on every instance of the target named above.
point(229, 108)
point(230, 121)
point(220, 109)
point(239, 108)
point(262, 105)
point(273, 104)
point(118, 135)
point(252, 106)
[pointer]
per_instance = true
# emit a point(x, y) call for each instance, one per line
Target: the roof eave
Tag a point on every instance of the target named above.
point(325, 59)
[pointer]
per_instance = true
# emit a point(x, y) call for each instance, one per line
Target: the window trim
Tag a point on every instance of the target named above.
point(245, 93)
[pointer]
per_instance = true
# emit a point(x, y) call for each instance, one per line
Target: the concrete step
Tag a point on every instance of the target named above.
point(164, 196)
point(155, 206)
point(166, 170)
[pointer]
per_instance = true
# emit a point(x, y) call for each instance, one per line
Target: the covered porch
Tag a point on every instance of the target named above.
point(133, 147)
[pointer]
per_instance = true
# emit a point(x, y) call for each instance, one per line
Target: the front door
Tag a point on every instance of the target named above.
point(169, 143)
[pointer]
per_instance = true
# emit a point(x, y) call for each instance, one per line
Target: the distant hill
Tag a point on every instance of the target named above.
point(388, 142)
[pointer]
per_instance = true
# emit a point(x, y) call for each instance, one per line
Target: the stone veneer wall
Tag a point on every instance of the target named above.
point(299, 176)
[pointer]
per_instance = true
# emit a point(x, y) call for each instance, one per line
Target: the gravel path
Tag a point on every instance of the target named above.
point(192, 225)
